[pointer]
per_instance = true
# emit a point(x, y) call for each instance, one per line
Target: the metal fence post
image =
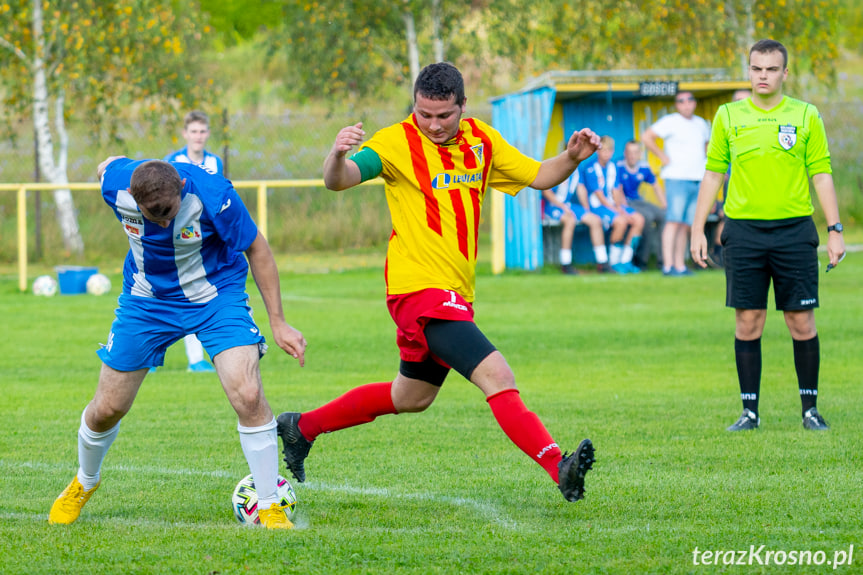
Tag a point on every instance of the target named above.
point(22, 238)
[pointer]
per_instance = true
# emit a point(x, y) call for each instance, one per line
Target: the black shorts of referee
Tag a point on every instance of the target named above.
point(757, 252)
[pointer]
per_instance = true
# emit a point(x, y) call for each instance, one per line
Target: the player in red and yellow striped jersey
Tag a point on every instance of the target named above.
point(437, 166)
point(435, 193)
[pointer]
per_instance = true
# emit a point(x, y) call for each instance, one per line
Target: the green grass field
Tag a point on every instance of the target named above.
point(643, 365)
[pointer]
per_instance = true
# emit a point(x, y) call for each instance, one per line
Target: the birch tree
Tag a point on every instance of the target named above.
point(90, 58)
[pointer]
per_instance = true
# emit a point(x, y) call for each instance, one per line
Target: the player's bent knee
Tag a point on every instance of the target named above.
point(247, 398)
point(413, 405)
point(103, 415)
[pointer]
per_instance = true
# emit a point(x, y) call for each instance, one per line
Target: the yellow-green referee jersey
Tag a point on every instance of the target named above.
point(772, 155)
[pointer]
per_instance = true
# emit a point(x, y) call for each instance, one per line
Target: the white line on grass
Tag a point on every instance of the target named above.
point(128, 468)
point(485, 509)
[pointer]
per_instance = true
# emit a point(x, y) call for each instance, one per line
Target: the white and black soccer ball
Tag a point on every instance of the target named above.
point(98, 284)
point(244, 501)
point(45, 286)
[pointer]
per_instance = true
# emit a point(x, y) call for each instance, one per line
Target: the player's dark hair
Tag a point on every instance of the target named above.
point(440, 81)
point(156, 185)
point(766, 46)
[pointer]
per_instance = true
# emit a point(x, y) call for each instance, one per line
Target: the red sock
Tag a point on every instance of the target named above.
point(524, 428)
point(360, 405)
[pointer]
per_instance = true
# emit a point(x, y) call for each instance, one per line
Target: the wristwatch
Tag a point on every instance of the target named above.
point(837, 227)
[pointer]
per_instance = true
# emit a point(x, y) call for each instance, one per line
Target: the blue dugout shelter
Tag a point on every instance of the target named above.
point(539, 118)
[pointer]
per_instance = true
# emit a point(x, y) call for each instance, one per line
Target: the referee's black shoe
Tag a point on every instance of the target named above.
point(572, 469)
point(296, 447)
point(748, 420)
point(812, 420)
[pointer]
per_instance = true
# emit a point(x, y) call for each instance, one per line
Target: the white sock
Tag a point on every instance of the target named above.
point(262, 454)
point(194, 349)
point(616, 253)
point(601, 254)
point(92, 447)
point(565, 257)
point(627, 254)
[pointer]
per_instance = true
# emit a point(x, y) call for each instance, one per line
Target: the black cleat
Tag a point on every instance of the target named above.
point(572, 469)
point(296, 447)
point(813, 421)
point(569, 270)
point(748, 420)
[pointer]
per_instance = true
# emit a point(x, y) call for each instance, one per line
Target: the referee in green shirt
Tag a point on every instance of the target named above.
point(773, 144)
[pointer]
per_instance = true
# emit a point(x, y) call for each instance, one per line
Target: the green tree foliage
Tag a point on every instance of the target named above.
point(355, 47)
point(234, 21)
point(361, 48)
point(102, 55)
point(595, 34)
point(60, 58)
point(852, 29)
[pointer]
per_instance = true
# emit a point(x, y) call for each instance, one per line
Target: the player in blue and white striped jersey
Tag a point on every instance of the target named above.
point(567, 204)
point(600, 180)
point(196, 132)
point(185, 273)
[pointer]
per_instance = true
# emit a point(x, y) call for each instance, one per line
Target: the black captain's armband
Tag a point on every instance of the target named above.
point(369, 163)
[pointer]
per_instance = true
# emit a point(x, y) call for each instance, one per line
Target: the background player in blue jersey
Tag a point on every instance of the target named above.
point(196, 132)
point(600, 180)
point(567, 204)
point(632, 171)
point(185, 273)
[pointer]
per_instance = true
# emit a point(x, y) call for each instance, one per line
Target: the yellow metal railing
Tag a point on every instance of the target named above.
point(261, 185)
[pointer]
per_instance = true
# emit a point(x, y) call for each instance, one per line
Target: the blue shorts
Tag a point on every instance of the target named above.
point(551, 214)
point(681, 196)
point(607, 215)
point(144, 328)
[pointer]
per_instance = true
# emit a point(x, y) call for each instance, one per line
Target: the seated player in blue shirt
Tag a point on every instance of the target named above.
point(190, 237)
point(632, 171)
point(566, 204)
point(600, 180)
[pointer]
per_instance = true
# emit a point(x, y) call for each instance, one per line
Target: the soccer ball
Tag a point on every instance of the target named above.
point(98, 284)
point(45, 286)
point(245, 499)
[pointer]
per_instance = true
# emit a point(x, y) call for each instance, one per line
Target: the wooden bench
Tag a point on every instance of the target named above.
point(582, 249)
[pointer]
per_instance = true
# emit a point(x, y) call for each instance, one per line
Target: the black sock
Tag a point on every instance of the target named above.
point(807, 360)
point(748, 356)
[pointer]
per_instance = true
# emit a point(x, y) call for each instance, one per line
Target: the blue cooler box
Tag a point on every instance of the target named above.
point(73, 279)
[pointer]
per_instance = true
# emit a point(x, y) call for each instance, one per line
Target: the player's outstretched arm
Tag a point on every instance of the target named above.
point(339, 172)
point(710, 186)
point(582, 144)
point(266, 275)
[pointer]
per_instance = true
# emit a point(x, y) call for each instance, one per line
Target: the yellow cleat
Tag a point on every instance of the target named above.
point(274, 517)
point(67, 507)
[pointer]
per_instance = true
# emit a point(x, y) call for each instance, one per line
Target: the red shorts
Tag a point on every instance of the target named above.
point(412, 311)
